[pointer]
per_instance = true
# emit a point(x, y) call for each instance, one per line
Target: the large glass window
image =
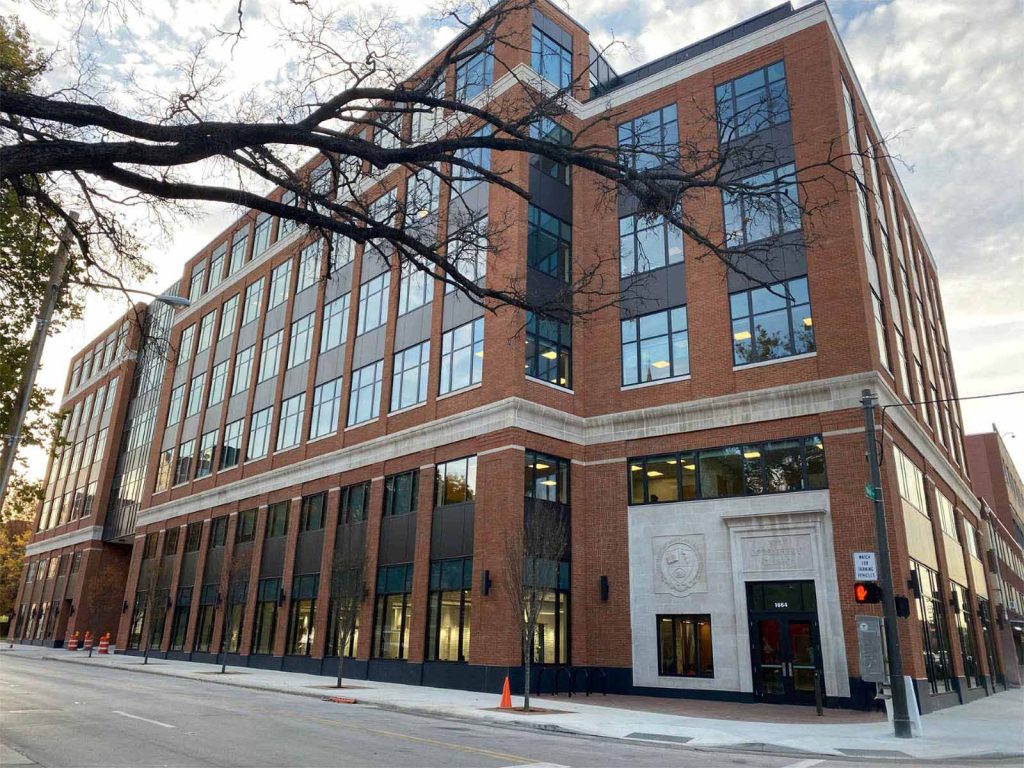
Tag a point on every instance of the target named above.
point(409, 376)
point(966, 630)
point(947, 517)
point(415, 288)
point(777, 466)
point(280, 282)
point(185, 344)
point(228, 314)
point(910, 480)
point(546, 478)
point(421, 195)
point(259, 434)
point(548, 350)
point(265, 620)
point(231, 449)
point(478, 159)
point(401, 493)
point(647, 243)
point(334, 615)
point(179, 621)
point(206, 331)
point(270, 356)
point(373, 303)
point(551, 60)
point(289, 428)
point(261, 237)
point(183, 469)
point(195, 395)
point(651, 140)
point(462, 356)
point(335, 326)
point(309, 265)
point(931, 613)
point(549, 244)
point(207, 445)
point(243, 370)
point(288, 225)
point(449, 610)
point(238, 246)
point(467, 251)
point(474, 75)
point(302, 614)
point(218, 380)
point(771, 322)
point(196, 283)
point(455, 481)
point(684, 645)
point(246, 530)
point(312, 511)
point(388, 133)
point(392, 612)
point(205, 619)
point(655, 346)
point(364, 397)
point(301, 344)
point(174, 407)
point(326, 409)
point(355, 501)
point(253, 299)
point(551, 640)
point(753, 102)
point(217, 265)
point(762, 206)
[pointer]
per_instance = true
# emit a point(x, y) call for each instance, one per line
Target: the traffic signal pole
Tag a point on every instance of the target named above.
point(897, 686)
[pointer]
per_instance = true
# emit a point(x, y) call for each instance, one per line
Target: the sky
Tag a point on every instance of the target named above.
point(943, 79)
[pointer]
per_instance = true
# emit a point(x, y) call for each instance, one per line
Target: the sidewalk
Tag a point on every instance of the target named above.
point(993, 726)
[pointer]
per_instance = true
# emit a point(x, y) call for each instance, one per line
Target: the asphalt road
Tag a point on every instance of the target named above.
point(56, 714)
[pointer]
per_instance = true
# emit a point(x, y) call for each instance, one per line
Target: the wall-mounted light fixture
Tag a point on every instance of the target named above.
point(604, 589)
point(485, 582)
point(124, 607)
point(281, 597)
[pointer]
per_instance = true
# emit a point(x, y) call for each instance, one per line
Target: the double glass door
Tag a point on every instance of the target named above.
point(785, 645)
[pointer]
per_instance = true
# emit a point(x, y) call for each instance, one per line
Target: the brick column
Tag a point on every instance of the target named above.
point(249, 619)
point(130, 589)
point(421, 564)
point(323, 600)
point(223, 585)
point(288, 572)
point(172, 592)
point(364, 647)
point(197, 586)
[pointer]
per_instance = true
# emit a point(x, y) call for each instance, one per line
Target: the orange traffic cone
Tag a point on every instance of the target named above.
point(87, 645)
point(73, 643)
point(104, 644)
point(506, 696)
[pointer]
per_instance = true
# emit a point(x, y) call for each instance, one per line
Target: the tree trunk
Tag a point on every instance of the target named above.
point(223, 637)
point(341, 662)
point(527, 654)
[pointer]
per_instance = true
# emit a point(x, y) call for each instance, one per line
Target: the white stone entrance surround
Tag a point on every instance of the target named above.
point(695, 557)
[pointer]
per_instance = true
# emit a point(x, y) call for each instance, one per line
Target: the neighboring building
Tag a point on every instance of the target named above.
point(704, 437)
point(996, 481)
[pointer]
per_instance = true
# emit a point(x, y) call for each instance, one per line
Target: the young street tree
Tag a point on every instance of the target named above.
point(348, 587)
point(148, 600)
point(532, 557)
point(236, 589)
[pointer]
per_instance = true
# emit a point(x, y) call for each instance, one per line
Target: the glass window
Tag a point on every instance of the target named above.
point(207, 445)
point(546, 478)
point(289, 429)
point(415, 289)
point(449, 610)
point(684, 645)
point(455, 481)
point(195, 395)
point(355, 500)
point(364, 399)
point(270, 358)
point(280, 282)
point(401, 493)
point(467, 251)
point(301, 345)
point(179, 620)
point(218, 532)
point(409, 377)
point(253, 298)
point(462, 356)
point(311, 514)
point(373, 303)
point(206, 331)
point(164, 468)
point(259, 434)
point(217, 265)
point(393, 612)
point(309, 265)
point(474, 75)
point(335, 324)
point(721, 472)
point(261, 236)
point(196, 284)
point(655, 346)
point(302, 615)
point(243, 369)
point(287, 226)
point(185, 344)
point(551, 60)
point(931, 613)
point(174, 407)
point(205, 619)
point(218, 380)
point(647, 243)
point(231, 448)
point(753, 102)
point(549, 244)
point(277, 519)
point(326, 409)
point(651, 140)
point(227, 317)
point(183, 469)
point(764, 205)
point(421, 195)
point(476, 159)
point(246, 530)
point(342, 252)
point(265, 620)
point(910, 480)
point(771, 322)
point(947, 517)
point(551, 643)
point(238, 247)
point(548, 350)
point(388, 133)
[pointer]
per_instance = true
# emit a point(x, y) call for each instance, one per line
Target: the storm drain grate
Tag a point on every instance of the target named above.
point(660, 737)
point(872, 753)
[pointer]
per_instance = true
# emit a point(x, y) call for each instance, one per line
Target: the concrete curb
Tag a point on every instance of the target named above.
point(744, 748)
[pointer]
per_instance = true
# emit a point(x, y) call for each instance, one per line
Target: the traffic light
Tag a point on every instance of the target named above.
point(865, 592)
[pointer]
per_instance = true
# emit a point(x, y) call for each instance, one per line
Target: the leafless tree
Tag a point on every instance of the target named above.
point(348, 587)
point(236, 585)
point(351, 117)
point(152, 601)
point(531, 559)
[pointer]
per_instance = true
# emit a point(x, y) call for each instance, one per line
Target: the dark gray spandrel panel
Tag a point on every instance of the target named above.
point(543, 289)
point(784, 259)
point(339, 282)
point(308, 551)
point(295, 380)
point(350, 539)
point(397, 539)
point(451, 533)
point(265, 392)
point(653, 291)
point(550, 194)
point(470, 204)
point(275, 319)
point(188, 569)
point(180, 375)
point(166, 570)
point(551, 29)
point(413, 327)
point(458, 310)
point(758, 152)
point(202, 363)
point(212, 418)
point(222, 351)
point(373, 264)
point(330, 365)
point(272, 560)
point(214, 565)
point(191, 427)
point(305, 301)
point(369, 347)
point(170, 438)
point(238, 406)
point(247, 334)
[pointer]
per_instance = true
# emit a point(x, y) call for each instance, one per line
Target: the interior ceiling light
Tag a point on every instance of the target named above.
point(741, 336)
point(549, 482)
point(690, 467)
point(550, 354)
point(653, 473)
point(751, 454)
point(808, 322)
point(660, 364)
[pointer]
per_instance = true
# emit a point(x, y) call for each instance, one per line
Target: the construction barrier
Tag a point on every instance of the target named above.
point(87, 645)
point(104, 644)
point(73, 642)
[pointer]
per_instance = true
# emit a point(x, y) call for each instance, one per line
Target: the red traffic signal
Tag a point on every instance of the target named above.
point(865, 592)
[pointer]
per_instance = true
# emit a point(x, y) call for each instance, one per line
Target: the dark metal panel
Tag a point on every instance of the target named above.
point(308, 551)
point(397, 539)
point(653, 291)
point(451, 534)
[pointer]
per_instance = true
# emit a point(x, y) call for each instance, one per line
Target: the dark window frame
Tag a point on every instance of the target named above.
point(676, 619)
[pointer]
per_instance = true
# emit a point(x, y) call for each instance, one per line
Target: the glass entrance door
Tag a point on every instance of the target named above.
point(785, 646)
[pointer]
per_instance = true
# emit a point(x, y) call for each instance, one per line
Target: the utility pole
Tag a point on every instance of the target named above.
point(898, 689)
point(54, 288)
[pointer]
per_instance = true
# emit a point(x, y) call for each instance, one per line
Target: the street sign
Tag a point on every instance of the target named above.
point(864, 566)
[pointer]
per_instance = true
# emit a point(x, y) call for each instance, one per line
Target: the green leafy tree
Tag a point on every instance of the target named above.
point(15, 529)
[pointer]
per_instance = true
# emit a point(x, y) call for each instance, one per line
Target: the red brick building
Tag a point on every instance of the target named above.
point(703, 434)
